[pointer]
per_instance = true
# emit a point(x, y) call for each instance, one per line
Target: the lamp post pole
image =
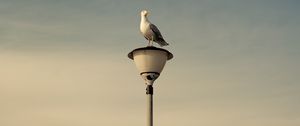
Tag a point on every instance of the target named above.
point(150, 61)
point(149, 92)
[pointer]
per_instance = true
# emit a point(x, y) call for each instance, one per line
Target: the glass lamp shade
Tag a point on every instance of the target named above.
point(150, 59)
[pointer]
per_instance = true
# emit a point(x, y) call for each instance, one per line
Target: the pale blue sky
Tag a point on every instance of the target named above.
point(63, 62)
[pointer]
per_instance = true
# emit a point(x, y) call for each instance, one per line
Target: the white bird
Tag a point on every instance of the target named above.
point(150, 31)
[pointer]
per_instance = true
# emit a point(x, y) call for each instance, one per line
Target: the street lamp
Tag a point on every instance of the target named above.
point(150, 61)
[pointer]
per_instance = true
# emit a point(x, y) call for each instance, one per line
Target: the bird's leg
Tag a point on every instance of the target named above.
point(152, 41)
point(149, 42)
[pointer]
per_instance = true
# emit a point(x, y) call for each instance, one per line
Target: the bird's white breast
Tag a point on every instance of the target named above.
point(145, 30)
point(144, 27)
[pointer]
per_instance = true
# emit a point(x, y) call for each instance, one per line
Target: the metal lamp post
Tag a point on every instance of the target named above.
point(150, 61)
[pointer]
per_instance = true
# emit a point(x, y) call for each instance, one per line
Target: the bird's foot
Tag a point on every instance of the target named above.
point(150, 44)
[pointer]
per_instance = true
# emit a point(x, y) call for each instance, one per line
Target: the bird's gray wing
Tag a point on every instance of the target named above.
point(155, 31)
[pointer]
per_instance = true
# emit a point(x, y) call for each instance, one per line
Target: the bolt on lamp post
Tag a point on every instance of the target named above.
point(150, 61)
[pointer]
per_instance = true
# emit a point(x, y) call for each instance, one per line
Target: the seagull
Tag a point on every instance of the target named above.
point(150, 31)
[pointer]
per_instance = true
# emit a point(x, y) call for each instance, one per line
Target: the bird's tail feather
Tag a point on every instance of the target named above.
point(163, 43)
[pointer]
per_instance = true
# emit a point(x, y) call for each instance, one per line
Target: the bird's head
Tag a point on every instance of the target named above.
point(144, 13)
